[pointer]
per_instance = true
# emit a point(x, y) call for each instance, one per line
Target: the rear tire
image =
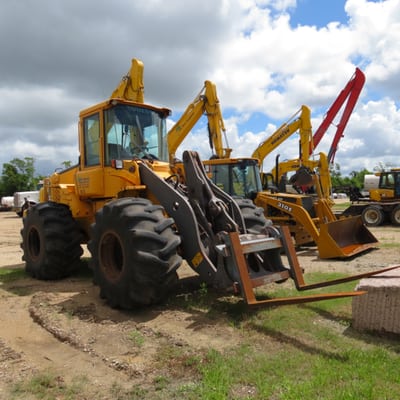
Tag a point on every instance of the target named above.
point(373, 215)
point(134, 253)
point(395, 216)
point(50, 241)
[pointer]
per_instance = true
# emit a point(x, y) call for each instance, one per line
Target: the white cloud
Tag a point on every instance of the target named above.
point(59, 57)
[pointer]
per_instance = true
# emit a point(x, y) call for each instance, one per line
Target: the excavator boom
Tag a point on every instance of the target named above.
point(205, 103)
point(300, 121)
point(351, 92)
point(131, 86)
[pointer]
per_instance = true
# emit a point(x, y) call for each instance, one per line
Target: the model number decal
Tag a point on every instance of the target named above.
point(284, 207)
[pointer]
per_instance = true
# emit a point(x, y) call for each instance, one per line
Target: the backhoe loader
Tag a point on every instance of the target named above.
point(139, 221)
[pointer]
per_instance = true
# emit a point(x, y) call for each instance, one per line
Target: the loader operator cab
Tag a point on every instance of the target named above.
point(236, 177)
point(134, 132)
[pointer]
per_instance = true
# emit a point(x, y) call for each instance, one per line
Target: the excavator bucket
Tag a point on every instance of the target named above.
point(344, 237)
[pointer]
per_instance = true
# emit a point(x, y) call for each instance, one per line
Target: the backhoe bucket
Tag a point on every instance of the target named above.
point(345, 237)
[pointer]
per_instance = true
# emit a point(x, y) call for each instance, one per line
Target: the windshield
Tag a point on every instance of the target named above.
point(134, 132)
point(239, 179)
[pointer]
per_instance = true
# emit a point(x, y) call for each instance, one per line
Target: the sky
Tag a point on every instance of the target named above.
point(267, 58)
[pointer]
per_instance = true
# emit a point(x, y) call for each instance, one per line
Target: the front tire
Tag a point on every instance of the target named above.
point(134, 253)
point(50, 241)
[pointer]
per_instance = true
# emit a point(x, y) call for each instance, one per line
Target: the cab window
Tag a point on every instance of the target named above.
point(91, 127)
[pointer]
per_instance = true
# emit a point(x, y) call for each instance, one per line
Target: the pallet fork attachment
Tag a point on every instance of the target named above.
point(237, 246)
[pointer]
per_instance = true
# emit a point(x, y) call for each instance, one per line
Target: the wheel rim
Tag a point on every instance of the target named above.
point(372, 216)
point(396, 217)
point(34, 243)
point(111, 256)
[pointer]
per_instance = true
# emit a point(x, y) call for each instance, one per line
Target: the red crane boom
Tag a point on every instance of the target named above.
point(350, 92)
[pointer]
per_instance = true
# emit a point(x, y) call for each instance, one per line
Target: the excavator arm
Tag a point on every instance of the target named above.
point(351, 92)
point(205, 103)
point(300, 121)
point(131, 86)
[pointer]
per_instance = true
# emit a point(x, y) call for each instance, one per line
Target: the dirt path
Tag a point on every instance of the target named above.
point(66, 328)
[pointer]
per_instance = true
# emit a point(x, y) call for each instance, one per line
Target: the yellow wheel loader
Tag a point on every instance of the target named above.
point(139, 220)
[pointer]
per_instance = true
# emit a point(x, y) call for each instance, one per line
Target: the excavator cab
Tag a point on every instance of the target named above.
point(237, 177)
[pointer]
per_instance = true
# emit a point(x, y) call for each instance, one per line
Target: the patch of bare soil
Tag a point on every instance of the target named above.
point(65, 327)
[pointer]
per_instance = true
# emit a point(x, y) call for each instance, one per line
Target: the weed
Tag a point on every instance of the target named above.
point(137, 338)
point(11, 274)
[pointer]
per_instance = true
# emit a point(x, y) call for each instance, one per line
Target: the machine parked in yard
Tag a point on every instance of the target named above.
point(6, 203)
point(308, 212)
point(140, 220)
point(24, 200)
point(309, 217)
point(383, 200)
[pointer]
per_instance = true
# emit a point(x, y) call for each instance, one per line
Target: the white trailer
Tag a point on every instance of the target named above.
point(23, 200)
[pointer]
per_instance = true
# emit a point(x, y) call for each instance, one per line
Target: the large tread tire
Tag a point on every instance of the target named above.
point(134, 253)
point(254, 218)
point(257, 223)
point(50, 241)
point(395, 216)
point(373, 215)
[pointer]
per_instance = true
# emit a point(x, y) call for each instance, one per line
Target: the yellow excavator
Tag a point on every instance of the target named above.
point(205, 103)
point(308, 212)
point(310, 218)
point(139, 221)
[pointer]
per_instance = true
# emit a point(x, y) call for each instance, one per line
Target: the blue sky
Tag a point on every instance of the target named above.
point(317, 12)
point(266, 57)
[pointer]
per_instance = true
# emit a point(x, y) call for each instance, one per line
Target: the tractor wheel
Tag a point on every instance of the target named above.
point(372, 215)
point(253, 216)
point(395, 216)
point(257, 223)
point(50, 241)
point(134, 253)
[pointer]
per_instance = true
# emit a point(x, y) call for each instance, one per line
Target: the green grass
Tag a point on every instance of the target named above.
point(341, 206)
point(389, 245)
point(14, 274)
point(11, 274)
point(305, 351)
point(316, 356)
point(300, 373)
point(49, 386)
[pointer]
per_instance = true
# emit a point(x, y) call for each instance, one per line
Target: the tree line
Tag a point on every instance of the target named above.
point(19, 175)
point(354, 180)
